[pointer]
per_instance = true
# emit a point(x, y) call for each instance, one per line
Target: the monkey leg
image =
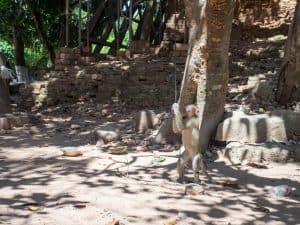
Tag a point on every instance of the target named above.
point(198, 164)
point(183, 158)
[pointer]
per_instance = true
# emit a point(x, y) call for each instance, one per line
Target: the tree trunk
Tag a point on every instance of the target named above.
point(206, 72)
point(148, 20)
point(40, 29)
point(289, 76)
point(18, 47)
point(4, 89)
point(4, 97)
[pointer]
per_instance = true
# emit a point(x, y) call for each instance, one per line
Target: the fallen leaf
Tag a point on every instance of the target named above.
point(262, 209)
point(170, 221)
point(34, 207)
point(255, 165)
point(113, 222)
point(79, 206)
point(194, 190)
point(230, 184)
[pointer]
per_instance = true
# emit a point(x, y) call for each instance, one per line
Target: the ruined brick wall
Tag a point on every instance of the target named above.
point(146, 81)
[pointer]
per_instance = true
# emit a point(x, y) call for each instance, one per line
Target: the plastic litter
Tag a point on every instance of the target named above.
point(281, 191)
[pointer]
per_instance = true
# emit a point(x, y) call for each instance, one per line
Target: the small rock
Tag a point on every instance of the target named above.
point(106, 134)
point(144, 121)
point(75, 126)
point(34, 130)
point(194, 189)
point(104, 112)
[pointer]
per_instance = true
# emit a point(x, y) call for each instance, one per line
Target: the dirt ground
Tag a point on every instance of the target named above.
point(97, 186)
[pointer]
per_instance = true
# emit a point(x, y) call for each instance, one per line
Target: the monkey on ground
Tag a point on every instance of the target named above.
point(188, 124)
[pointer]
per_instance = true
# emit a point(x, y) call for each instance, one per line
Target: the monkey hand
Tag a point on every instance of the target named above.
point(175, 108)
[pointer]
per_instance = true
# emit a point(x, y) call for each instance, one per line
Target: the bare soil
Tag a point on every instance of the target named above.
point(98, 186)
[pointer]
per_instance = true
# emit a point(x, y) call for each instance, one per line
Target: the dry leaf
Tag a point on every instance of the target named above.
point(230, 184)
point(113, 222)
point(255, 165)
point(79, 206)
point(170, 221)
point(194, 190)
point(34, 207)
point(262, 209)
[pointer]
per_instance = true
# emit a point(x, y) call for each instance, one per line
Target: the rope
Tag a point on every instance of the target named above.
point(175, 66)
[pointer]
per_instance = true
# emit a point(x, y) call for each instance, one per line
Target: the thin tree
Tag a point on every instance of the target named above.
point(289, 76)
point(206, 71)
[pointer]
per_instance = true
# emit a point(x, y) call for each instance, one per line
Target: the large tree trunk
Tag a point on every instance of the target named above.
point(18, 47)
point(4, 89)
point(289, 76)
point(4, 97)
point(148, 20)
point(143, 31)
point(40, 29)
point(206, 71)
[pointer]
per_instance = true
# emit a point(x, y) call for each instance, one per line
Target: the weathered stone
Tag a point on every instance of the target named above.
point(262, 91)
point(236, 152)
point(278, 126)
point(166, 134)
point(11, 121)
point(4, 123)
point(144, 121)
point(106, 134)
point(75, 126)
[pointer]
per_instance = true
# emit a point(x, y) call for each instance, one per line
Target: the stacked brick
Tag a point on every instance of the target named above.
point(67, 58)
point(144, 82)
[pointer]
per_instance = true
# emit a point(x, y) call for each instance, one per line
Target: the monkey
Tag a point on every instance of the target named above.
point(188, 124)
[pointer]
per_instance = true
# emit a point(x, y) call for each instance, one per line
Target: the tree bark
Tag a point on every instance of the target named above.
point(206, 72)
point(4, 90)
point(289, 75)
point(40, 29)
point(18, 47)
point(148, 19)
point(4, 97)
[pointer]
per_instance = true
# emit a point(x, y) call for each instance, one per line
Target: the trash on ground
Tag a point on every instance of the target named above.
point(281, 190)
point(118, 150)
point(158, 159)
point(34, 207)
point(71, 151)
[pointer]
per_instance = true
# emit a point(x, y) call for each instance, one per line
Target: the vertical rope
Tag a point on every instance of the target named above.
point(175, 66)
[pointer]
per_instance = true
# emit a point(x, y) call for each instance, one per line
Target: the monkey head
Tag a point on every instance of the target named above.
point(190, 111)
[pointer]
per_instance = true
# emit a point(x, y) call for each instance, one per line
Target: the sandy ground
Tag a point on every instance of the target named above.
point(128, 187)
